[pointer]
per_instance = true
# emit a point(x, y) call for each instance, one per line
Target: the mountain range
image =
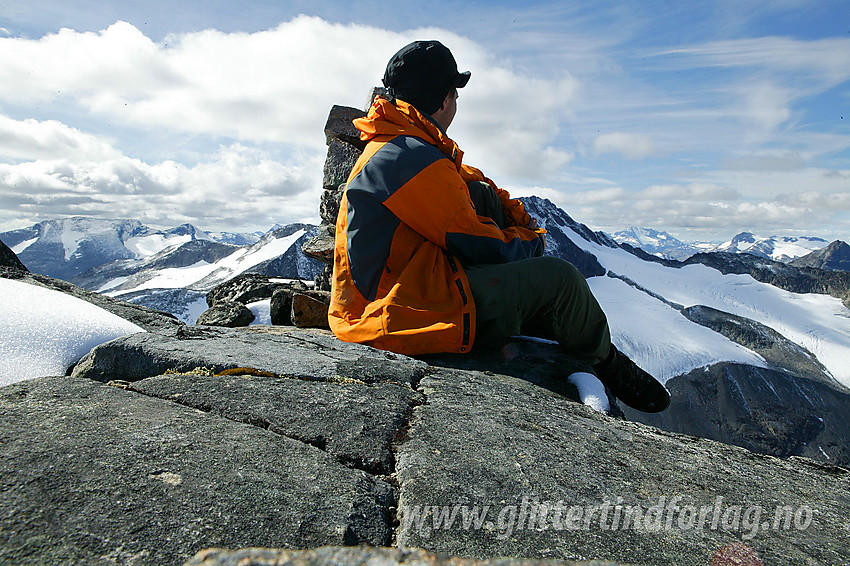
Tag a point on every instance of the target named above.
point(665, 245)
point(170, 270)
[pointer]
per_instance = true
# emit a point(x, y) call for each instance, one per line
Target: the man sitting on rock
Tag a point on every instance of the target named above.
point(431, 255)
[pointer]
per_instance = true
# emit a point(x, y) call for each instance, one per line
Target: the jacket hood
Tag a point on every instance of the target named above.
point(398, 118)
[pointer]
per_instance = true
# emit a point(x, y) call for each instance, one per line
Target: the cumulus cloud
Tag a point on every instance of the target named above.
point(269, 86)
point(31, 139)
point(275, 85)
point(77, 173)
point(242, 91)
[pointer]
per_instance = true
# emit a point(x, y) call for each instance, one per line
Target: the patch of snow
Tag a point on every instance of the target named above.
point(43, 332)
point(71, 241)
point(112, 283)
point(23, 245)
point(824, 453)
point(258, 254)
point(175, 277)
point(590, 391)
point(262, 312)
point(146, 246)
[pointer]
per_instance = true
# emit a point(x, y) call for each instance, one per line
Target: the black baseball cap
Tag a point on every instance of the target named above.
point(422, 74)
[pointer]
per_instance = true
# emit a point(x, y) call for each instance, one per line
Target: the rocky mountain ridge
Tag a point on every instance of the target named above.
point(69, 247)
point(286, 437)
point(834, 257)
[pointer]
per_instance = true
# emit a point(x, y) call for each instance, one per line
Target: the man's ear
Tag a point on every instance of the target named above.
point(446, 101)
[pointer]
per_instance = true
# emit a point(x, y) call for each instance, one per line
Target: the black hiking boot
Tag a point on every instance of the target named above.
point(630, 384)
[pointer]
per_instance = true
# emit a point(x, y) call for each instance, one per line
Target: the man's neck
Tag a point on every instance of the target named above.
point(435, 122)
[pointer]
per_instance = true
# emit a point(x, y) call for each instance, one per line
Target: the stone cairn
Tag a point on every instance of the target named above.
point(293, 303)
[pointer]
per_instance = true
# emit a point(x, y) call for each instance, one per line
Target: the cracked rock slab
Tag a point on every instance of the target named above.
point(355, 423)
point(283, 351)
point(358, 556)
point(503, 444)
point(93, 474)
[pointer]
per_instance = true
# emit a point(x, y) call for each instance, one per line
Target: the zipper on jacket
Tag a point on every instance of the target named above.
point(462, 292)
point(452, 263)
point(466, 329)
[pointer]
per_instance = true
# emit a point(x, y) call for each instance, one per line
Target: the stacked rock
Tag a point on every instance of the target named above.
point(344, 147)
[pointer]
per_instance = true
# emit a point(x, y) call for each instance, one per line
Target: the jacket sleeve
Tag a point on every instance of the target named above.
point(436, 204)
point(515, 213)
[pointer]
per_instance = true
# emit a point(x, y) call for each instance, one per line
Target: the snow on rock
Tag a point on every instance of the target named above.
point(262, 312)
point(43, 332)
point(146, 246)
point(590, 391)
point(71, 239)
point(23, 245)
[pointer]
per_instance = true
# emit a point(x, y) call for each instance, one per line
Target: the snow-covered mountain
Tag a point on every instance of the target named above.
point(201, 265)
point(747, 362)
point(835, 256)
point(660, 244)
point(177, 279)
point(777, 248)
point(67, 247)
point(170, 270)
point(238, 238)
point(664, 245)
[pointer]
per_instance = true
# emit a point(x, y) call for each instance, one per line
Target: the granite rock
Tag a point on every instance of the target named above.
point(282, 350)
point(226, 313)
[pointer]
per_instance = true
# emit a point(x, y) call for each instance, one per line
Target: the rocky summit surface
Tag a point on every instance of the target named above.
point(166, 443)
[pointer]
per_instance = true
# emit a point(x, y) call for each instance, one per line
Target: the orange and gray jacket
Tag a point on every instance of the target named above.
point(406, 228)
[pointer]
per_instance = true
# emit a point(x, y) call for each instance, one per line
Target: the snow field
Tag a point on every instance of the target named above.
point(43, 332)
point(819, 323)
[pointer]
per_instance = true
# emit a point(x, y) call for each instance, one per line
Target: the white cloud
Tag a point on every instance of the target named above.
point(765, 105)
point(77, 173)
point(824, 60)
point(268, 86)
point(31, 139)
point(631, 146)
point(273, 86)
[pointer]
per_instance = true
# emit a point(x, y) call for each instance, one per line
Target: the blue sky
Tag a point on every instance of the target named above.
point(700, 118)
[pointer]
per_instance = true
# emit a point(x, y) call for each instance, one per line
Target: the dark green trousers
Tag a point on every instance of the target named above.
point(545, 297)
